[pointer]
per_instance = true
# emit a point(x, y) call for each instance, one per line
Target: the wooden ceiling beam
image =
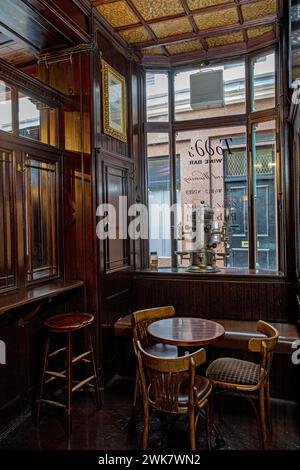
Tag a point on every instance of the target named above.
point(241, 19)
point(144, 23)
point(95, 3)
point(193, 23)
point(270, 20)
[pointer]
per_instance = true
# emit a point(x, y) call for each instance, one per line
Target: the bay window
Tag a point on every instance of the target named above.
point(212, 136)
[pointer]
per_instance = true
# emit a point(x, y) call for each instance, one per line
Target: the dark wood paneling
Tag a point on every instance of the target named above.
point(119, 63)
point(115, 259)
point(47, 23)
point(115, 186)
point(239, 300)
point(114, 170)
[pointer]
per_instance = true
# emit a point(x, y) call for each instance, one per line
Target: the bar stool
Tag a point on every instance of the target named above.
point(67, 324)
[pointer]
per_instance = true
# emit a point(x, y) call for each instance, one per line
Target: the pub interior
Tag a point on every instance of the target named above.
point(149, 225)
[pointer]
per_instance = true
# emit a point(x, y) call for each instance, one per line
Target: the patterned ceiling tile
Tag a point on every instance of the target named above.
point(196, 4)
point(232, 38)
point(258, 31)
point(216, 19)
point(169, 28)
point(118, 13)
point(153, 51)
point(259, 9)
point(186, 46)
point(158, 8)
point(135, 35)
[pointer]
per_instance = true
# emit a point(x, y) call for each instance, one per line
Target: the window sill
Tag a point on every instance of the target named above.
point(224, 273)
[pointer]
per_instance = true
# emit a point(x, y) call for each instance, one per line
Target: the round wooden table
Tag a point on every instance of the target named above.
point(186, 331)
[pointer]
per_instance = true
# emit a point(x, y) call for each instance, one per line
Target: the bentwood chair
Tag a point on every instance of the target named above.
point(170, 385)
point(141, 320)
point(248, 378)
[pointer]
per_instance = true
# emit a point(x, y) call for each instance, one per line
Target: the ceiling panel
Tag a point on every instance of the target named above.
point(173, 27)
point(226, 39)
point(120, 14)
point(217, 20)
point(259, 9)
point(135, 35)
point(183, 47)
point(259, 31)
point(15, 53)
point(151, 9)
point(165, 29)
point(197, 4)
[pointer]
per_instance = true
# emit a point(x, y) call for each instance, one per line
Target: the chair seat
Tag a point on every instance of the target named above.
point(203, 386)
point(233, 371)
point(69, 322)
point(163, 350)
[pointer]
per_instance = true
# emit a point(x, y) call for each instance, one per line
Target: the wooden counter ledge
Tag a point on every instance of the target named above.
point(21, 297)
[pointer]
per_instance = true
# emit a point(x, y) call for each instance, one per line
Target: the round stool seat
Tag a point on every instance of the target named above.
point(67, 322)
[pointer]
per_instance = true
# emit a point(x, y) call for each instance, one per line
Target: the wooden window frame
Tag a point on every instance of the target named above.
point(249, 118)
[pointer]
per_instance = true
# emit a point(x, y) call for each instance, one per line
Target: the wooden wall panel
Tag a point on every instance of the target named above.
point(114, 170)
point(72, 77)
point(119, 63)
point(239, 300)
point(115, 259)
point(115, 186)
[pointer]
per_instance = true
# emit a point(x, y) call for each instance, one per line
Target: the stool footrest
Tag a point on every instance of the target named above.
point(58, 375)
point(81, 356)
point(53, 403)
point(82, 383)
point(58, 351)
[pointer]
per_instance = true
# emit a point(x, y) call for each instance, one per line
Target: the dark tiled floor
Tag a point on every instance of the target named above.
point(116, 427)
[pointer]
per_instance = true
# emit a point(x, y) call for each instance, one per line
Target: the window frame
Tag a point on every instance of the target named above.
point(248, 118)
point(20, 150)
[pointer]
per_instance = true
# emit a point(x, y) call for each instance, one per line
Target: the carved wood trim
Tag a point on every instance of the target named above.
point(31, 85)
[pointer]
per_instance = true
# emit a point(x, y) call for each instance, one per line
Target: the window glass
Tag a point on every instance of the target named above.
point(159, 185)
point(264, 162)
point(212, 168)
point(41, 219)
point(263, 82)
point(157, 97)
point(5, 107)
point(29, 118)
point(211, 164)
point(37, 121)
point(210, 91)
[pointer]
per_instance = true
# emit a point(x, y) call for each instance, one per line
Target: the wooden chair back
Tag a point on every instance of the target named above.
point(162, 379)
point(266, 345)
point(143, 318)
